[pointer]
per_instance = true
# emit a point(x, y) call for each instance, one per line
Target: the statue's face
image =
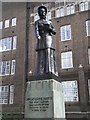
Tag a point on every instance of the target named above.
point(42, 12)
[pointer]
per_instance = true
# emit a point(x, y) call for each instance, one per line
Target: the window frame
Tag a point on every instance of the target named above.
point(64, 32)
point(7, 93)
point(66, 60)
point(88, 56)
point(7, 67)
point(83, 6)
point(14, 42)
point(87, 27)
point(1, 25)
point(7, 23)
point(70, 86)
point(13, 67)
point(14, 21)
point(11, 94)
point(4, 93)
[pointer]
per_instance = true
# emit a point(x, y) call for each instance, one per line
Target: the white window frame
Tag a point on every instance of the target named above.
point(9, 41)
point(64, 31)
point(61, 11)
point(89, 56)
point(36, 17)
point(4, 43)
point(0, 68)
point(57, 12)
point(88, 27)
point(7, 69)
point(13, 67)
point(66, 60)
point(89, 88)
point(48, 16)
point(14, 21)
point(7, 23)
point(70, 89)
point(84, 6)
point(4, 92)
point(7, 94)
point(1, 25)
point(4, 68)
point(70, 9)
point(11, 94)
point(14, 42)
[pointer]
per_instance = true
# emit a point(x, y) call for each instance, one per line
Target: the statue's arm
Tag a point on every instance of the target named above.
point(52, 29)
point(37, 31)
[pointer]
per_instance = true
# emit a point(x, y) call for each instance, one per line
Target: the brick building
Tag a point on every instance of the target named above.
point(18, 56)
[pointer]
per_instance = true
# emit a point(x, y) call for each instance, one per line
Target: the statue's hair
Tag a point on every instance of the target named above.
point(40, 7)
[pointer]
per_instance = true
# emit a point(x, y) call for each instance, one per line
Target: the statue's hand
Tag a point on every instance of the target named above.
point(39, 37)
point(53, 32)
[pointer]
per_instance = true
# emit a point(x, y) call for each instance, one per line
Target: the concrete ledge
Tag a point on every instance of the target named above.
point(44, 77)
point(45, 119)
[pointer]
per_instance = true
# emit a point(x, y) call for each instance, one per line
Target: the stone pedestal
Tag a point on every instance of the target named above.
point(44, 100)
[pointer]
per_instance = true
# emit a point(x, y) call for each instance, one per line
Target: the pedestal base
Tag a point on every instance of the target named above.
point(44, 100)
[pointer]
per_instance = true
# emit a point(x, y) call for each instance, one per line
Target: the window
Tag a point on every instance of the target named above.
point(48, 6)
point(70, 89)
point(57, 12)
point(84, 6)
point(6, 23)
point(11, 97)
point(14, 21)
point(70, 9)
point(89, 88)
point(81, 6)
point(62, 11)
point(66, 60)
point(65, 32)
point(57, 9)
point(4, 91)
point(48, 15)
point(5, 44)
point(88, 27)
point(89, 55)
point(6, 94)
point(0, 67)
point(14, 42)
point(8, 43)
point(3, 67)
point(1, 24)
point(36, 16)
point(6, 67)
point(13, 67)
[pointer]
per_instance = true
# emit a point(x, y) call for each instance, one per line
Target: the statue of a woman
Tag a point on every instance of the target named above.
point(45, 49)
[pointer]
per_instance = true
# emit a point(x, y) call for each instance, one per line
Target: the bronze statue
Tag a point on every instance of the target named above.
point(45, 49)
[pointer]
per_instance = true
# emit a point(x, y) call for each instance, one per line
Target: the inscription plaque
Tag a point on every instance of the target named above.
point(39, 103)
point(43, 98)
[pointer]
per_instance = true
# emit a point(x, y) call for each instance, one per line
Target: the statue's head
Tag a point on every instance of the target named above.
point(42, 11)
